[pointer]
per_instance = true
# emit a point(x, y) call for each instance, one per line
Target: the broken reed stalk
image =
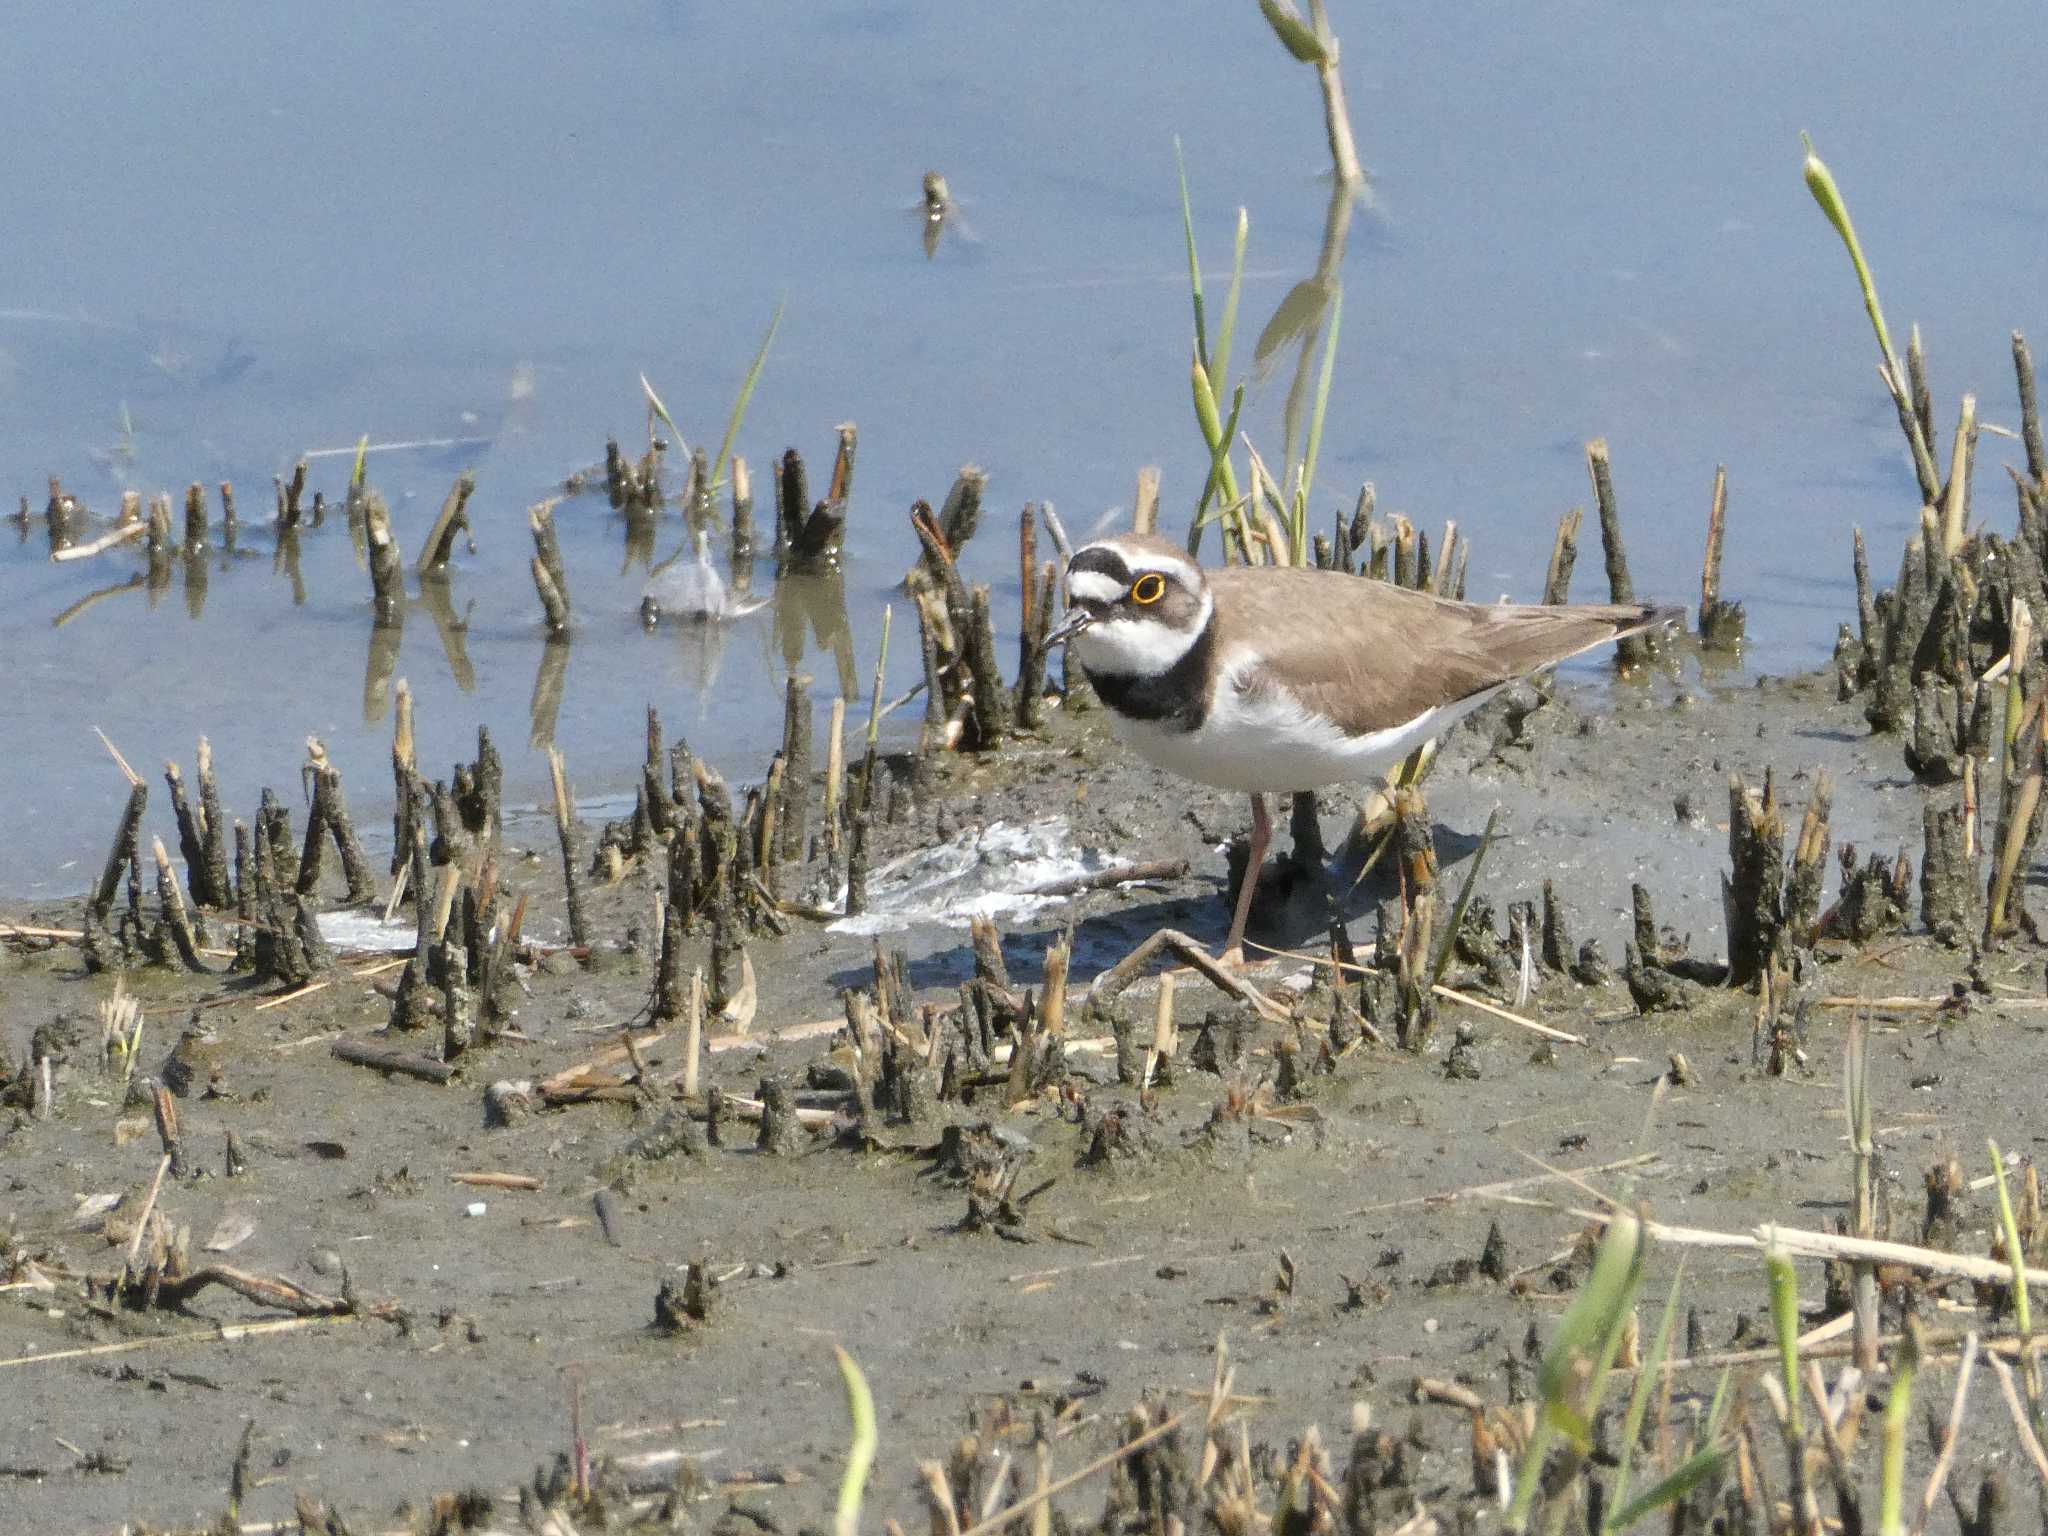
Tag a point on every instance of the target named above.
point(841, 489)
point(1956, 501)
point(212, 834)
point(192, 842)
point(1633, 650)
point(793, 812)
point(123, 849)
point(693, 1033)
point(870, 756)
point(2030, 411)
point(742, 525)
point(1144, 511)
point(565, 830)
point(835, 771)
point(1721, 624)
point(549, 580)
point(176, 918)
point(195, 518)
point(387, 564)
point(991, 699)
point(1564, 554)
point(453, 519)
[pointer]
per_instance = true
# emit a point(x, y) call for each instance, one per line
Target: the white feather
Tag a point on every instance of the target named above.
point(1267, 742)
point(1093, 587)
point(1136, 647)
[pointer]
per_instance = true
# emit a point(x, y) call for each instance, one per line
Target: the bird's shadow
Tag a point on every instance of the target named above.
point(1293, 909)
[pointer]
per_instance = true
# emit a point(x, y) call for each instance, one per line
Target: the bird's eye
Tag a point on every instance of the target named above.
point(1148, 588)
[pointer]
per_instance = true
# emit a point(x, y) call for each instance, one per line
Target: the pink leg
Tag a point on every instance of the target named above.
point(1262, 835)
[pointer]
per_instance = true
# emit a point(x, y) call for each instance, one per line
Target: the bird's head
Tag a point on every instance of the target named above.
point(1135, 604)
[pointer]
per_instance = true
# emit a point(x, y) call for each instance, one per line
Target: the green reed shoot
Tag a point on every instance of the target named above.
point(1305, 478)
point(2022, 1305)
point(1639, 1398)
point(1820, 181)
point(1208, 375)
point(1898, 1413)
point(739, 405)
point(1450, 940)
point(860, 1454)
point(1588, 1336)
point(1784, 1285)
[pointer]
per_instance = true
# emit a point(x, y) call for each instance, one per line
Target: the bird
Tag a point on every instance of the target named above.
point(693, 591)
point(1271, 679)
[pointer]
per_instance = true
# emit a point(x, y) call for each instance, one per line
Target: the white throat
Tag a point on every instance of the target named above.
point(1139, 647)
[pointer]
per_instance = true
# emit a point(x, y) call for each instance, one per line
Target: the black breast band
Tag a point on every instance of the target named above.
point(1177, 698)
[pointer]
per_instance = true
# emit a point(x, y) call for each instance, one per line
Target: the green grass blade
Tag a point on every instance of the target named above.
point(1645, 1389)
point(1820, 181)
point(860, 1455)
point(1219, 362)
point(1693, 1471)
point(1590, 1329)
point(739, 406)
point(360, 473)
point(1220, 470)
point(1315, 429)
point(2022, 1304)
point(1187, 226)
point(675, 432)
point(1784, 1284)
point(1295, 34)
point(1450, 939)
point(1717, 1409)
point(1898, 1413)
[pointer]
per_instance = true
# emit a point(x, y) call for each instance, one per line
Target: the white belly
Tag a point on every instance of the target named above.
point(1269, 744)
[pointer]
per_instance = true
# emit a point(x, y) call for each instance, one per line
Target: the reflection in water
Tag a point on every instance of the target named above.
point(378, 666)
point(545, 707)
point(92, 598)
point(814, 599)
point(286, 559)
point(439, 603)
point(196, 574)
point(640, 531)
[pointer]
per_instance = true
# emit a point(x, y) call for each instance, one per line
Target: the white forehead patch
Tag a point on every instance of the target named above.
point(1093, 587)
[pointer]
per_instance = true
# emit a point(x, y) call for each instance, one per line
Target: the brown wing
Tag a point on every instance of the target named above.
point(1371, 655)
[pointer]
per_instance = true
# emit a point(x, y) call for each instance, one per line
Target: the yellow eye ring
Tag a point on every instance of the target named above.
point(1148, 588)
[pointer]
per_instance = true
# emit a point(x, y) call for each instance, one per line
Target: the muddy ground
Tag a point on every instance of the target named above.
point(1116, 1280)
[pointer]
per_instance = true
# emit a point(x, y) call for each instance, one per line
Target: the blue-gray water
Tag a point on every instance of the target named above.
point(237, 233)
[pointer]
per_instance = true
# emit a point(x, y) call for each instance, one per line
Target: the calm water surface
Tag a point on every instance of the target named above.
point(237, 234)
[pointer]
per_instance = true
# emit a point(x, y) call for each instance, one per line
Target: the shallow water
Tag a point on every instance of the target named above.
point(239, 235)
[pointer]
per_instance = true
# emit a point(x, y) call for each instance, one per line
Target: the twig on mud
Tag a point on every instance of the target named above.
point(1502, 1186)
point(487, 1180)
point(292, 996)
point(715, 1044)
point(225, 1333)
point(1938, 1478)
point(1805, 1244)
point(2020, 1422)
point(1108, 879)
point(142, 1222)
point(1106, 986)
point(1103, 1463)
point(385, 1058)
point(1450, 994)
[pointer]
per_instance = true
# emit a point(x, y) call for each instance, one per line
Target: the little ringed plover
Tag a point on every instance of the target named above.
point(1271, 679)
